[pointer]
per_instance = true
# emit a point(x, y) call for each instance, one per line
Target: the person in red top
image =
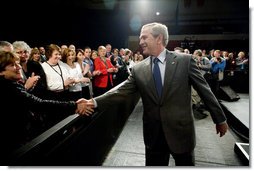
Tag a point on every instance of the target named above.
point(103, 81)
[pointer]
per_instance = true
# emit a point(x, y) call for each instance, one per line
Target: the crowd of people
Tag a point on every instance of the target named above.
point(215, 67)
point(52, 83)
point(46, 84)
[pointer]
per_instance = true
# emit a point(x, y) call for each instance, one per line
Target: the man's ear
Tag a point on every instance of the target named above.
point(160, 39)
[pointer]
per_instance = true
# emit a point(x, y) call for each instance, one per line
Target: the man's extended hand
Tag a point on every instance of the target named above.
point(85, 107)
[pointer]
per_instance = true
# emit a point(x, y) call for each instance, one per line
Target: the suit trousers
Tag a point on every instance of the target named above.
point(159, 154)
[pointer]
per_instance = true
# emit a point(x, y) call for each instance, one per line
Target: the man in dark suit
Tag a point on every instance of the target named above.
point(168, 124)
point(43, 57)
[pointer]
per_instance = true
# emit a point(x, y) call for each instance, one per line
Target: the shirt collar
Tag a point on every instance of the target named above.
point(162, 56)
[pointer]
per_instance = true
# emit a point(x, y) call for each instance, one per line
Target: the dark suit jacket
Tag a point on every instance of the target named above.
point(174, 110)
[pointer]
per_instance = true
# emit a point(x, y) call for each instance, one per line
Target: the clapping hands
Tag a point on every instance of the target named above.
point(31, 81)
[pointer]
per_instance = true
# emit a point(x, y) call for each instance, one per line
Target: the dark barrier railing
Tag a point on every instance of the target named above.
point(236, 125)
point(237, 80)
point(77, 140)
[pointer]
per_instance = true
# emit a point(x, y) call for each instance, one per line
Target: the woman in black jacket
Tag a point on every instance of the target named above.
point(18, 105)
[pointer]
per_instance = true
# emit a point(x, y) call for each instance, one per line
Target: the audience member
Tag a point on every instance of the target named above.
point(58, 81)
point(6, 46)
point(43, 57)
point(20, 104)
point(104, 80)
point(217, 72)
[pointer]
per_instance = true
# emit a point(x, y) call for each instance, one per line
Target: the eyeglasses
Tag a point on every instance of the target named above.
point(21, 52)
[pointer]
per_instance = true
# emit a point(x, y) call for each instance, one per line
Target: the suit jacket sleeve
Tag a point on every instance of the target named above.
point(118, 94)
point(204, 91)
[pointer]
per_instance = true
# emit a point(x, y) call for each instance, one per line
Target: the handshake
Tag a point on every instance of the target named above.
point(85, 107)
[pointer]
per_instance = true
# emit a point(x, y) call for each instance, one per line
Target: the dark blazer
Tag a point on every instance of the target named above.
point(41, 87)
point(17, 106)
point(174, 109)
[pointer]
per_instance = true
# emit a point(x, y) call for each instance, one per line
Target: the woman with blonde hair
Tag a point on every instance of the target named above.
point(104, 80)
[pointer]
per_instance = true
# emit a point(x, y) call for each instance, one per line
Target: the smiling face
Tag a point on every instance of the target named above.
point(147, 41)
point(22, 54)
point(102, 51)
point(12, 72)
point(80, 55)
point(87, 52)
point(153, 38)
point(10, 67)
point(55, 57)
point(71, 56)
point(151, 45)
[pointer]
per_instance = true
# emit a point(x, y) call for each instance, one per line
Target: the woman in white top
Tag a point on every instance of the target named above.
point(57, 76)
point(75, 71)
point(58, 81)
point(86, 88)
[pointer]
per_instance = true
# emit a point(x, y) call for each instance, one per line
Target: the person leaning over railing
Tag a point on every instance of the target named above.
point(18, 104)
